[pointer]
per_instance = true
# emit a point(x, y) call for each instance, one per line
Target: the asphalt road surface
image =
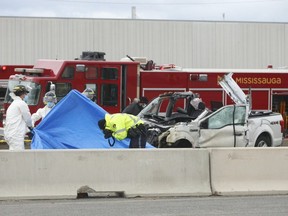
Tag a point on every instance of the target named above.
point(184, 206)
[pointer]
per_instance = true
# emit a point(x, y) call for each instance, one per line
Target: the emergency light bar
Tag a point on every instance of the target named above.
point(29, 70)
point(3, 68)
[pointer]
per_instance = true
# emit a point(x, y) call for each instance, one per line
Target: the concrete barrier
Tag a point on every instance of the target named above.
point(58, 174)
point(249, 171)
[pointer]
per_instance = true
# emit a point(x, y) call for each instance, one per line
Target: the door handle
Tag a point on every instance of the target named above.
point(238, 134)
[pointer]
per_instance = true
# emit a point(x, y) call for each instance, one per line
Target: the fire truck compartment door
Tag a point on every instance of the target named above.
point(220, 130)
point(232, 89)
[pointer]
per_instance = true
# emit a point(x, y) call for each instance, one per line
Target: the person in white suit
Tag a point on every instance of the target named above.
point(49, 100)
point(18, 119)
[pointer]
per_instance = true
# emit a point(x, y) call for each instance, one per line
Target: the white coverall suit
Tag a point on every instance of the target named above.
point(40, 114)
point(18, 118)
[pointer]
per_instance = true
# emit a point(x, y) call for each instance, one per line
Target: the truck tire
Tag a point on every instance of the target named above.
point(263, 141)
point(183, 144)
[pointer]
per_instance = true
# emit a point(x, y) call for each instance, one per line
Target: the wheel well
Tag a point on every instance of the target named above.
point(183, 143)
point(266, 135)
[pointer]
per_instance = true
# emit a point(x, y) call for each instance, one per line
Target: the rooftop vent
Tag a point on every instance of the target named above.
point(96, 56)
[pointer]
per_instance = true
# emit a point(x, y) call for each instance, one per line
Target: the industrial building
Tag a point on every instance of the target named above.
point(189, 44)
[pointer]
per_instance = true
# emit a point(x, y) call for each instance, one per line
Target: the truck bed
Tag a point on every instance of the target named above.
point(257, 113)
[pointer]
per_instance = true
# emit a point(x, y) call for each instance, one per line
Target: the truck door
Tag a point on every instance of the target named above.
point(224, 128)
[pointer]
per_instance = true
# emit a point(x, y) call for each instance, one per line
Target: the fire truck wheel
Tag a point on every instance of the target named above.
point(263, 141)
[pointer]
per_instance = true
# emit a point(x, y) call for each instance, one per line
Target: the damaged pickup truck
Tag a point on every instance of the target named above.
point(229, 126)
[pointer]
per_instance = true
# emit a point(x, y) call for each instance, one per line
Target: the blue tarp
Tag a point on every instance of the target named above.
point(73, 124)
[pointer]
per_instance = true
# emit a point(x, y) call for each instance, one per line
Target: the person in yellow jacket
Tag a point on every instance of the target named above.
point(123, 125)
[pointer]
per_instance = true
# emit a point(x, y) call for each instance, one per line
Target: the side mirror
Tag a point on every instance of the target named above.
point(48, 86)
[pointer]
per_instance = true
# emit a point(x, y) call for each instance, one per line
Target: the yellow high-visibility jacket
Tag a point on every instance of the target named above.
point(120, 123)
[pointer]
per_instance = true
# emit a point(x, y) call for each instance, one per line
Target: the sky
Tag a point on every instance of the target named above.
point(204, 10)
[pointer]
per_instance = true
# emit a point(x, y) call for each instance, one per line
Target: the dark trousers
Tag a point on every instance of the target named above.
point(138, 142)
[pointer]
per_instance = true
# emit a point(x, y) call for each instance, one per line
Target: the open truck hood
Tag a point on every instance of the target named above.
point(234, 91)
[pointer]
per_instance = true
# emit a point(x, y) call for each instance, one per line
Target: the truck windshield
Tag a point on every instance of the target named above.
point(168, 105)
point(157, 107)
point(33, 88)
point(227, 116)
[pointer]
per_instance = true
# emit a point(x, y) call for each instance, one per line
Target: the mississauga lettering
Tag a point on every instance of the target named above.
point(258, 80)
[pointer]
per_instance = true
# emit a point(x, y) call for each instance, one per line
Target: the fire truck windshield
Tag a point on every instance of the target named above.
point(33, 88)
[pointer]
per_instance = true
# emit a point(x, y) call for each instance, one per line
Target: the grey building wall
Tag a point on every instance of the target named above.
point(192, 44)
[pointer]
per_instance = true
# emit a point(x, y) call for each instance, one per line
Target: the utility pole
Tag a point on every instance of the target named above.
point(133, 12)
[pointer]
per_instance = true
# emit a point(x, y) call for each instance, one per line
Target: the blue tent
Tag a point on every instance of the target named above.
point(73, 124)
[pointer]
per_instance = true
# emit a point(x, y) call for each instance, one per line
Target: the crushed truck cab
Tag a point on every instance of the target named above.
point(230, 126)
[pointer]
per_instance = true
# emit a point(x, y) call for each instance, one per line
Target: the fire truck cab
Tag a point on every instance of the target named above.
point(5, 72)
point(114, 83)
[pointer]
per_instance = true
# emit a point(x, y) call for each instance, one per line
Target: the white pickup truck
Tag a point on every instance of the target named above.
point(229, 126)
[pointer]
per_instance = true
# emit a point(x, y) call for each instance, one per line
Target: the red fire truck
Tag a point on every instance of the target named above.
point(5, 72)
point(116, 83)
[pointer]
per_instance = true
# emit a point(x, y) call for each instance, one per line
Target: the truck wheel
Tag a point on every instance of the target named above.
point(263, 141)
point(182, 144)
